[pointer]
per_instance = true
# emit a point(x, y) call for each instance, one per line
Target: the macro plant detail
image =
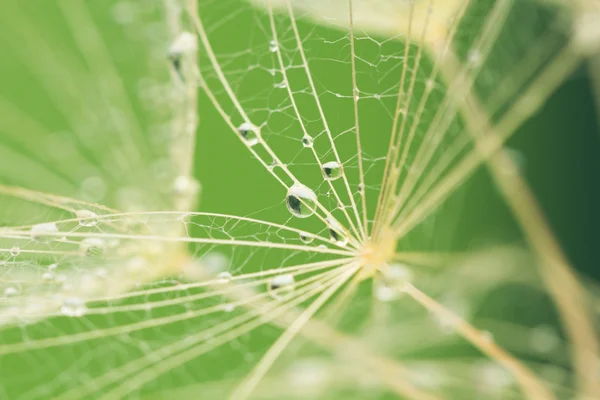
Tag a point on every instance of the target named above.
point(266, 199)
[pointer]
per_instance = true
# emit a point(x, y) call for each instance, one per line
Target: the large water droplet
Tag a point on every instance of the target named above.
point(43, 232)
point(301, 201)
point(392, 282)
point(73, 307)
point(332, 170)
point(249, 133)
point(92, 246)
point(336, 232)
point(86, 218)
point(281, 286)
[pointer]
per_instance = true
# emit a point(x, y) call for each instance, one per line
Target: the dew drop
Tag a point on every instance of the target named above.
point(281, 85)
point(52, 267)
point(281, 286)
point(249, 133)
point(392, 282)
point(228, 307)
point(11, 291)
point(361, 188)
point(273, 46)
point(301, 201)
point(43, 232)
point(307, 141)
point(92, 247)
point(73, 307)
point(86, 218)
point(15, 251)
point(306, 237)
point(336, 232)
point(186, 185)
point(224, 277)
point(332, 170)
point(48, 276)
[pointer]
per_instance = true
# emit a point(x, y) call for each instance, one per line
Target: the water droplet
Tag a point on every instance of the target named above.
point(281, 85)
point(224, 277)
point(52, 267)
point(186, 185)
point(391, 284)
point(92, 246)
point(43, 232)
point(301, 201)
point(273, 46)
point(86, 218)
point(48, 276)
point(15, 251)
point(185, 43)
point(228, 307)
point(361, 188)
point(11, 291)
point(281, 286)
point(336, 232)
point(249, 133)
point(332, 170)
point(306, 237)
point(73, 307)
point(307, 141)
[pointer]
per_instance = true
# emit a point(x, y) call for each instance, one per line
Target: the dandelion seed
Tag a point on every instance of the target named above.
point(301, 201)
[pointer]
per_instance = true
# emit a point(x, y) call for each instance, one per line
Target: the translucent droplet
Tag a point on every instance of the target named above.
point(73, 307)
point(15, 251)
point(281, 286)
point(273, 46)
point(228, 307)
point(301, 201)
point(11, 291)
point(52, 267)
point(392, 282)
point(361, 188)
point(306, 237)
point(332, 170)
point(249, 133)
point(224, 277)
point(186, 185)
point(48, 276)
point(92, 246)
point(307, 141)
point(281, 85)
point(43, 232)
point(336, 232)
point(86, 218)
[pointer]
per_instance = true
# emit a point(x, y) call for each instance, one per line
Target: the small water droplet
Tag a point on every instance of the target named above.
point(224, 277)
point(86, 218)
point(307, 141)
point(273, 46)
point(48, 276)
point(361, 188)
point(306, 237)
point(92, 246)
point(281, 286)
point(391, 284)
point(249, 133)
point(228, 307)
point(186, 185)
point(11, 291)
point(281, 85)
point(337, 233)
point(15, 251)
point(332, 170)
point(73, 307)
point(43, 232)
point(52, 267)
point(301, 201)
